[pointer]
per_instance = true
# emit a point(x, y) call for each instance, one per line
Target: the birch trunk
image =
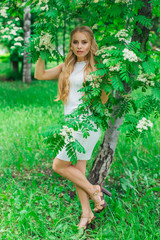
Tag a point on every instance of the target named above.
point(27, 32)
point(64, 34)
point(104, 159)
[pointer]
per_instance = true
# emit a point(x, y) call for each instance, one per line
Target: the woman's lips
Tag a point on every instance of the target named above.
point(79, 51)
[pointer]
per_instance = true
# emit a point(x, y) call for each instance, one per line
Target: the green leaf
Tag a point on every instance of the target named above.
point(117, 83)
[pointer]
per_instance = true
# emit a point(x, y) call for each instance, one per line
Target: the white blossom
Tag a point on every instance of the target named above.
point(45, 8)
point(17, 44)
point(18, 39)
point(122, 34)
point(115, 68)
point(104, 50)
point(121, 1)
point(129, 55)
point(146, 78)
point(106, 113)
point(9, 22)
point(143, 124)
point(13, 32)
point(94, 80)
point(95, 85)
point(95, 26)
point(45, 40)
point(3, 12)
point(43, 1)
point(68, 134)
point(105, 61)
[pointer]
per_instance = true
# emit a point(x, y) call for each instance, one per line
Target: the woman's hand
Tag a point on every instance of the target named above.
point(50, 74)
point(104, 97)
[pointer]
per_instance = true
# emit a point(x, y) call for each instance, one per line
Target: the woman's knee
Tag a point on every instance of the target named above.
point(81, 165)
point(54, 166)
point(59, 165)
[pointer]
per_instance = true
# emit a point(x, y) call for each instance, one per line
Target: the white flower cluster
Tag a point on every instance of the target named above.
point(105, 61)
point(121, 1)
point(45, 43)
point(95, 85)
point(7, 37)
point(92, 77)
point(68, 134)
point(143, 124)
point(11, 33)
point(122, 34)
point(46, 6)
point(3, 12)
point(95, 80)
point(115, 68)
point(43, 1)
point(130, 55)
point(104, 50)
point(106, 113)
point(146, 78)
point(95, 26)
point(18, 39)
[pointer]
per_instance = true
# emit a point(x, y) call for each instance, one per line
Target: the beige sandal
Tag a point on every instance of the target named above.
point(99, 200)
point(89, 220)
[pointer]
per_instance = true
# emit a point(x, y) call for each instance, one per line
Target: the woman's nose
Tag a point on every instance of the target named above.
point(79, 45)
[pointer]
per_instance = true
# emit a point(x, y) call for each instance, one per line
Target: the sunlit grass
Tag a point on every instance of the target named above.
point(37, 203)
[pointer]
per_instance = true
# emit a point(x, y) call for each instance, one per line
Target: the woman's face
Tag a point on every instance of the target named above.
point(80, 44)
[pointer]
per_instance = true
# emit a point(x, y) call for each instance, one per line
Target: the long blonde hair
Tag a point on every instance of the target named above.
point(63, 80)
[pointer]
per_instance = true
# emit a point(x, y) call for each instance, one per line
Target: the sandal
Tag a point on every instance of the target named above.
point(99, 200)
point(89, 220)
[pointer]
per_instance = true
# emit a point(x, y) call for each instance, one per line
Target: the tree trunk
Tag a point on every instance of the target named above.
point(57, 45)
point(27, 32)
point(103, 161)
point(64, 35)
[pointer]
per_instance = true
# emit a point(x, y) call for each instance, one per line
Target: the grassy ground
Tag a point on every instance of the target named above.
point(37, 203)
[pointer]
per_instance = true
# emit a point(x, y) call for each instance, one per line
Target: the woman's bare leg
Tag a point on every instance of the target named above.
point(83, 196)
point(73, 174)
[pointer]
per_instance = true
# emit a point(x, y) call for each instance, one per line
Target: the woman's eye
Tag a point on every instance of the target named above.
point(77, 42)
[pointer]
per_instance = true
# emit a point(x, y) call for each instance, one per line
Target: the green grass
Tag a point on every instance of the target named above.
point(37, 203)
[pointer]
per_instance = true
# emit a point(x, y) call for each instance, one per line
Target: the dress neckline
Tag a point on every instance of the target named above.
point(79, 63)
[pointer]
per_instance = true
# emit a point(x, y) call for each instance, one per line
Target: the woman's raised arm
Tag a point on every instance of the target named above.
point(50, 74)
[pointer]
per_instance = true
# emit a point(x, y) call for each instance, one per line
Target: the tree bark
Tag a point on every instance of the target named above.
point(57, 45)
point(64, 35)
point(27, 32)
point(104, 159)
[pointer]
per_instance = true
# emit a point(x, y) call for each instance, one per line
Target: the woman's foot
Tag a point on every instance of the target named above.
point(98, 199)
point(86, 219)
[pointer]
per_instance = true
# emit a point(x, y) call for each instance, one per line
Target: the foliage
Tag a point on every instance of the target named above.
point(11, 28)
point(119, 59)
point(45, 204)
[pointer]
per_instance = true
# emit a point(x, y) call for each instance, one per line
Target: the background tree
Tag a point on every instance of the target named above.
point(27, 32)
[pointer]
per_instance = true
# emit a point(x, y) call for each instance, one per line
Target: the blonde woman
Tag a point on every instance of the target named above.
point(71, 75)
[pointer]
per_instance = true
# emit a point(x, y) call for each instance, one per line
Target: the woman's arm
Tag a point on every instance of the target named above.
point(104, 97)
point(50, 74)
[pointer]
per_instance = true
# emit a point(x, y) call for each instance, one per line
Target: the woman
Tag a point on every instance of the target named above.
point(78, 63)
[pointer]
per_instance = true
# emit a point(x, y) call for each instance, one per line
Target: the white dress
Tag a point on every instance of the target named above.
point(76, 80)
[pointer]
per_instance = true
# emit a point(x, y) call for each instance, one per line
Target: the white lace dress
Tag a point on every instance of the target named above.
point(76, 81)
